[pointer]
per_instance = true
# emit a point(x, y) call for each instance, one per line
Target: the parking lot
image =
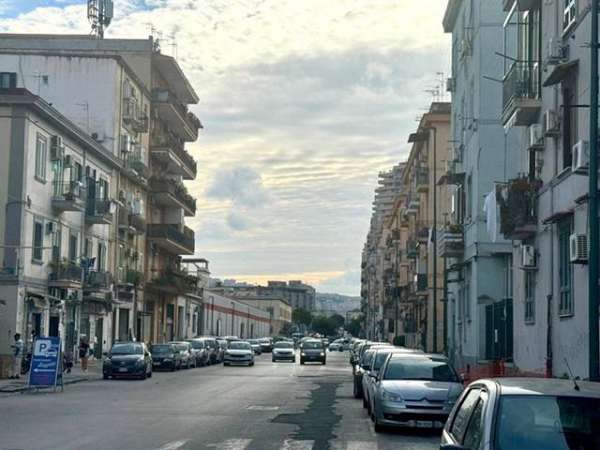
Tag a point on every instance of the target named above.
point(268, 406)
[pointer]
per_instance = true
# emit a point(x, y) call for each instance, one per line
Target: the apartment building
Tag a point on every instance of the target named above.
point(543, 208)
point(480, 279)
point(133, 100)
point(58, 188)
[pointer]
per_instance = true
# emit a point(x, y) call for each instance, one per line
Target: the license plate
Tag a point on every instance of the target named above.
point(156, 364)
point(424, 424)
point(122, 369)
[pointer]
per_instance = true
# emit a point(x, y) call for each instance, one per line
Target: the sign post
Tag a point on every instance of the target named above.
point(46, 363)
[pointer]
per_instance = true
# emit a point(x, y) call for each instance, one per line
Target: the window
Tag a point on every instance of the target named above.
point(474, 431)
point(565, 273)
point(508, 275)
point(41, 150)
point(102, 193)
point(569, 14)
point(569, 136)
point(461, 418)
point(77, 172)
point(73, 247)
point(38, 240)
point(529, 283)
point(101, 257)
point(88, 245)
point(8, 80)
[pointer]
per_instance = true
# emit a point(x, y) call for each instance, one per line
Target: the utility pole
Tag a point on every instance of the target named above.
point(594, 355)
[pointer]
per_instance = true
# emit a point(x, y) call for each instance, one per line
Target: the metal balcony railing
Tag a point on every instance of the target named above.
point(68, 191)
point(521, 81)
point(98, 280)
point(518, 208)
point(66, 272)
point(166, 96)
point(450, 241)
point(177, 147)
point(176, 189)
point(183, 236)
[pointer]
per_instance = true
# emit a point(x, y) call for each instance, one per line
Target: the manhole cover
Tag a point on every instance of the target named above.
point(262, 408)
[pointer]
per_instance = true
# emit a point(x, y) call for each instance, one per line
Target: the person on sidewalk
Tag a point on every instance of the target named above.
point(84, 353)
point(17, 347)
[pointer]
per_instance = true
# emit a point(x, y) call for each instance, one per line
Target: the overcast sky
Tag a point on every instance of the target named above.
point(303, 103)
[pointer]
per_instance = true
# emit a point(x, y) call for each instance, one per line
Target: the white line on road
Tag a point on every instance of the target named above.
point(174, 445)
point(361, 445)
point(290, 444)
point(232, 444)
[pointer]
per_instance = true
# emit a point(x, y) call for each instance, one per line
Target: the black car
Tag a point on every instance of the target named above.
point(266, 345)
point(312, 351)
point(128, 359)
point(165, 356)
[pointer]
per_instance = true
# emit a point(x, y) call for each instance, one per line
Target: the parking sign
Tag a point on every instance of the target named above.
point(45, 367)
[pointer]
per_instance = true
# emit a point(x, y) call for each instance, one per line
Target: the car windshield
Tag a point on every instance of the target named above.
point(239, 346)
point(284, 345)
point(161, 349)
point(419, 369)
point(380, 357)
point(127, 349)
point(312, 345)
point(548, 422)
point(197, 344)
point(367, 358)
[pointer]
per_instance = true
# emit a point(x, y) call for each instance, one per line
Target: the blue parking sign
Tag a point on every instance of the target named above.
point(45, 369)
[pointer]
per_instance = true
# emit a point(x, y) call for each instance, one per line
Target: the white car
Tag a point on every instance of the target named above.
point(337, 345)
point(239, 352)
point(283, 350)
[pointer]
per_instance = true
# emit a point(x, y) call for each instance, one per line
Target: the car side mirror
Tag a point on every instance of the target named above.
point(452, 447)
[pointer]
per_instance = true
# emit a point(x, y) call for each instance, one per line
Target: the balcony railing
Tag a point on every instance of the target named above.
point(175, 280)
point(520, 93)
point(65, 273)
point(450, 241)
point(135, 163)
point(422, 179)
point(68, 196)
point(176, 114)
point(167, 142)
point(127, 219)
point(99, 211)
point(98, 281)
point(176, 190)
point(176, 237)
point(518, 208)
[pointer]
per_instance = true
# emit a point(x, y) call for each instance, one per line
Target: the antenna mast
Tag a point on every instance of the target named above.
point(100, 13)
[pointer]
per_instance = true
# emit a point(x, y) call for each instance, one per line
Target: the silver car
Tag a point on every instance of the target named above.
point(283, 350)
point(414, 390)
point(239, 352)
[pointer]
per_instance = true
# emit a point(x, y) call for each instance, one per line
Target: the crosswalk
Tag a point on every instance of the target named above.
point(287, 444)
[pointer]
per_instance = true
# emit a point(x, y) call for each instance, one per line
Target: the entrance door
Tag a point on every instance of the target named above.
point(123, 324)
point(499, 330)
point(99, 338)
point(53, 326)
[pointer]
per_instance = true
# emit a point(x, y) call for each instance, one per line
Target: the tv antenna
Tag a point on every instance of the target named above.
point(99, 13)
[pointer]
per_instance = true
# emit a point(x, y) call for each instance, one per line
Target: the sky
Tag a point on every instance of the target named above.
point(303, 102)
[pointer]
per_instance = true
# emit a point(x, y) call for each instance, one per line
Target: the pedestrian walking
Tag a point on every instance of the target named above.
point(84, 352)
point(17, 348)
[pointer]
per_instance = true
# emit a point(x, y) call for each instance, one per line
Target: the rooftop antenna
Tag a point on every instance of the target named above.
point(173, 45)
point(100, 13)
point(573, 379)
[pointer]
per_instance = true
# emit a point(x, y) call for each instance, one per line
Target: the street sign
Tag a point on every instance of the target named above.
point(46, 368)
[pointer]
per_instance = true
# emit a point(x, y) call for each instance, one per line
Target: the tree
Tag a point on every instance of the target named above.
point(301, 315)
point(354, 327)
point(338, 320)
point(325, 326)
point(286, 329)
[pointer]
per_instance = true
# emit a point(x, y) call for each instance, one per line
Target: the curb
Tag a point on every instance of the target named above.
point(23, 388)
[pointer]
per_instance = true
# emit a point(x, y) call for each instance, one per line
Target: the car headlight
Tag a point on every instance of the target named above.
point(391, 397)
point(322, 354)
point(302, 354)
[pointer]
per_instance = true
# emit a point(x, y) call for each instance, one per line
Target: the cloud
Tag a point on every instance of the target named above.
point(238, 221)
point(242, 186)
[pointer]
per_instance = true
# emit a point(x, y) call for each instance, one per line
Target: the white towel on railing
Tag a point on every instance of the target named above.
point(490, 209)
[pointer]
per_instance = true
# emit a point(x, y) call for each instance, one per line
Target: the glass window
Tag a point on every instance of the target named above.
point(474, 431)
point(548, 422)
point(101, 256)
point(565, 273)
point(312, 344)
point(529, 283)
point(238, 345)
point(88, 245)
point(73, 247)
point(127, 349)
point(461, 419)
point(404, 368)
point(8, 80)
point(38, 240)
point(41, 150)
point(569, 13)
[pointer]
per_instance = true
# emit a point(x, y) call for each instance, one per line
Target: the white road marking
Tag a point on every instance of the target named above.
point(232, 444)
point(361, 445)
point(174, 445)
point(290, 444)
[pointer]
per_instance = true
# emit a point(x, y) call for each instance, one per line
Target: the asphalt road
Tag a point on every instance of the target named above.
point(270, 406)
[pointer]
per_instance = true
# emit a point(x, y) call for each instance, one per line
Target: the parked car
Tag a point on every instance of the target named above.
point(255, 346)
point(283, 350)
point(266, 345)
point(221, 347)
point(212, 348)
point(525, 413)
point(325, 343)
point(336, 346)
point(313, 351)
point(239, 352)
point(414, 390)
point(165, 356)
point(128, 359)
point(185, 350)
point(363, 365)
point(199, 351)
point(231, 338)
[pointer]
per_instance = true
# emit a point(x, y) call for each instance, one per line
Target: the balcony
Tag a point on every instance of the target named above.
point(520, 94)
point(172, 194)
point(168, 151)
point(174, 281)
point(128, 280)
point(176, 115)
point(69, 196)
point(65, 275)
point(412, 250)
point(98, 287)
point(133, 117)
point(131, 222)
point(450, 241)
point(422, 180)
point(134, 163)
point(173, 238)
point(100, 211)
point(518, 208)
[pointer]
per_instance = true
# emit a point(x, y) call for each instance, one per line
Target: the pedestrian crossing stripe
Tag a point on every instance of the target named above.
point(232, 444)
point(291, 444)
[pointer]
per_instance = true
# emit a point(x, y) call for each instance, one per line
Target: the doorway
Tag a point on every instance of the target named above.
point(53, 326)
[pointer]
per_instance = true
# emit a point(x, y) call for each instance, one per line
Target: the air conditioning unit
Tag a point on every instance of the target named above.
point(550, 123)
point(57, 148)
point(555, 51)
point(450, 84)
point(68, 162)
point(125, 144)
point(578, 248)
point(536, 138)
point(50, 227)
point(527, 256)
point(581, 157)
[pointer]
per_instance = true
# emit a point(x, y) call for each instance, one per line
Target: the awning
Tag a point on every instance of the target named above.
point(560, 72)
point(556, 217)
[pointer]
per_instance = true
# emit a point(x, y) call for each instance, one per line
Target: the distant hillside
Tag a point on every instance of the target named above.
point(336, 303)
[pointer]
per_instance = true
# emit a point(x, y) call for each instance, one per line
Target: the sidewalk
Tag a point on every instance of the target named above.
point(76, 376)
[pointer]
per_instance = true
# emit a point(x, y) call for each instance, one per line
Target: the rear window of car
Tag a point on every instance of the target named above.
point(197, 344)
point(313, 344)
point(419, 369)
point(284, 345)
point(160, 349)
point(127, 349)
point(239, 345)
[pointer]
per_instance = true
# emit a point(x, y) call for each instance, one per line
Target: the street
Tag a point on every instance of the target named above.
point(266, 407)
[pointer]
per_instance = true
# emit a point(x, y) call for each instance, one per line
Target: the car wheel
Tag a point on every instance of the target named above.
point(324, 362)
point(378, 427)
point(173, 368)
point(273, 360)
